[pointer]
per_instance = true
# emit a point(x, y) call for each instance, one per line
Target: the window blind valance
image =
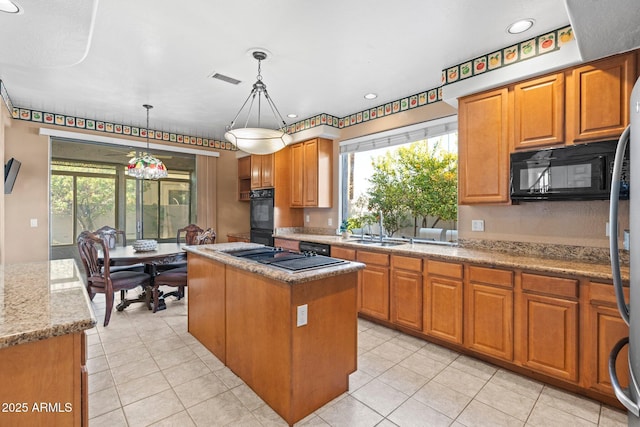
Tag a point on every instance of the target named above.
point(402, 135)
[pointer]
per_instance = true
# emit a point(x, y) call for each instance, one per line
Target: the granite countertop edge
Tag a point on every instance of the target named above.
point(598, 271)
point(26, 287)
point(218, 252)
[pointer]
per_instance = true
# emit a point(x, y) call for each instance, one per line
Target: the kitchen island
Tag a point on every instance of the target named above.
point(291, 337)
point(44, 312)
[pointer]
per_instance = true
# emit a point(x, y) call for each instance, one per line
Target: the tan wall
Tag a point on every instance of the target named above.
point(30, 196)
point(218, 205)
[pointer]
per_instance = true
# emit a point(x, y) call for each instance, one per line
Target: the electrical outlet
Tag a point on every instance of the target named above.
point(302, 315)
point(477, 225)
point(606, 229)
point(307, 218)
point(330, 222)
point(34, 222)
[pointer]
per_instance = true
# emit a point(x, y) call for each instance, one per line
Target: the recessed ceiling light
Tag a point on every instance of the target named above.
point(8, 6)
point(292, 115)
point(520, 26)
point(370, 96)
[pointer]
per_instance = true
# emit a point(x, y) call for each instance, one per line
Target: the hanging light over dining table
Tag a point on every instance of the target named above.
point(146, 166)
point(259, 140)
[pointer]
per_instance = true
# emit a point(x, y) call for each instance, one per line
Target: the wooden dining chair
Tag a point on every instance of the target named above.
point(110, 236)
point(177, 277)
point(100, 278)
point(191, 231)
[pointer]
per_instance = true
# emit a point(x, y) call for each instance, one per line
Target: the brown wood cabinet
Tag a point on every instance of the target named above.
point(406, 291)
point(374, 284)
point(489, 312)
point(50, 372)
point(576, 105)
point(539, 112)
point(598, 96)
point(311, 173)
point(244, 178)
point(605, 329)
point(549, 325)
point(443, 300)
point(206, 303)
point(483, 148)
point(262, 171)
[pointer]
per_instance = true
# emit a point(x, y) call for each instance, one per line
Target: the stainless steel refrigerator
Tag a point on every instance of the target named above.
point(629, 310)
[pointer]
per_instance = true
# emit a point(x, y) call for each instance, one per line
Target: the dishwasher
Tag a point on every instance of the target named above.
point(318, 248)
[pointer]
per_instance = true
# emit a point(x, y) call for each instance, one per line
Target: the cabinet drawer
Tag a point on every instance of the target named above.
point(406, 263)
point(372, 258)
point(604, 293)
point(343, 253)
point(491, 276)
point(440, 268)
point(557, 286)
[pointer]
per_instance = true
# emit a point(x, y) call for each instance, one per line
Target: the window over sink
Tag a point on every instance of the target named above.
point(409, 175)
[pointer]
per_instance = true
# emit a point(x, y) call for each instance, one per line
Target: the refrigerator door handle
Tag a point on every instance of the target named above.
point(613, 224)
point(621, 394)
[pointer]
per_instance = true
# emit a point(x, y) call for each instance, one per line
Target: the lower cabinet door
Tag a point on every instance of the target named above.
point(374, 291)
point(607, 328)
point(443, 308)
point(489, 320)
point(406, 300)
point(550, 335)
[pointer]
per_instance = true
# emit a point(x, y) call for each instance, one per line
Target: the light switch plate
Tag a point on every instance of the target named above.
point(302, 315)
point(477, 225)
point(34, 222)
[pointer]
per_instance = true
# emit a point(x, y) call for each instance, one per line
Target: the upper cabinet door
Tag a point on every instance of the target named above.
point(297, 175)
point(262, 171)
point(483, 148)
point(598, 98)
point(539, 112)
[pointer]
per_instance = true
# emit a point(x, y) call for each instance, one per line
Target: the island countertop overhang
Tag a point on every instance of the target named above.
point(219, 252)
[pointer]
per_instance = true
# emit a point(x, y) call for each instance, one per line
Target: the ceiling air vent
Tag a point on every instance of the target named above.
point(225, 78)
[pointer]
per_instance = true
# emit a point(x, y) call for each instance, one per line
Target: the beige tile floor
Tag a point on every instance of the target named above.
point(146, 369)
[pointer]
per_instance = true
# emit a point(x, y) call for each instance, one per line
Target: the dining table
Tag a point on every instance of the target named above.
point(163, 254)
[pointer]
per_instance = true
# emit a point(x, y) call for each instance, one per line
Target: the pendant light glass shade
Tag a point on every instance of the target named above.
point(147, 166)
point(258, 140)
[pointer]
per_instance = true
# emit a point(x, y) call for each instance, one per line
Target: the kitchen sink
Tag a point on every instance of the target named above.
point(376, 242)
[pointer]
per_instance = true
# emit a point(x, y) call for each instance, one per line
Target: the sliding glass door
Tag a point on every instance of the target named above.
point(89, 194)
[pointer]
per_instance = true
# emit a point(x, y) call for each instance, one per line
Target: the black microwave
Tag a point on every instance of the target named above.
point(575, 172)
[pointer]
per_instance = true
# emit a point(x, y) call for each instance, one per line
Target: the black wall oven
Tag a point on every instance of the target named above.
point(578, 172)
point(261, 216)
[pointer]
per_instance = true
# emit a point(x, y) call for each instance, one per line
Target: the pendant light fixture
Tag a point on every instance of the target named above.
point(259, 140)
point(147, 166)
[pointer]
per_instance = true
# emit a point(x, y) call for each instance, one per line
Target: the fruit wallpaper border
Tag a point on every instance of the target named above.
point(522, 51)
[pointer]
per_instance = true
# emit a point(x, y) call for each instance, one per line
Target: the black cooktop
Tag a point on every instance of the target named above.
point(288, 260)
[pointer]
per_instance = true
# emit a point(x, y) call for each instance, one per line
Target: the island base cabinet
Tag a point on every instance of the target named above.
point(206, 303)
point(44, 383)
point(294, 369)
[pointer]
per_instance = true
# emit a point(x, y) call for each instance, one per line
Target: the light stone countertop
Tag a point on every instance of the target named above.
point(454, 253)
point(218, 251)
point(41, 300)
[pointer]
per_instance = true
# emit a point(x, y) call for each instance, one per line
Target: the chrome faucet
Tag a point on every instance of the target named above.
point(380, 225)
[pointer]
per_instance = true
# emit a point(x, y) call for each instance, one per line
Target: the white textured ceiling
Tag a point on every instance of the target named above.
point(104, 59)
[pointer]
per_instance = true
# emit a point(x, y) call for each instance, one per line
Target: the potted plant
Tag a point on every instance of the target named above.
point(345, 229)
